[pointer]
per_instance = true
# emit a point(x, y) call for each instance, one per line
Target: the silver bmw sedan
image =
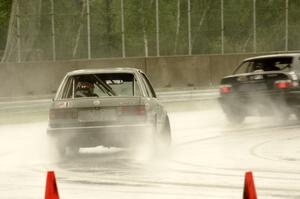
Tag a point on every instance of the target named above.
point(109, 107)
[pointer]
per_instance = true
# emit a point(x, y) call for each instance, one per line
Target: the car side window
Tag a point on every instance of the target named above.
point(266, 64)
point(245, 67)
point(148, 86)
point(68, 89)
point(137, 90)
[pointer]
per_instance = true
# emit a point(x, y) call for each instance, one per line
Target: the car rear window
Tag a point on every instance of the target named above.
point(99, 85)
point(265, 64)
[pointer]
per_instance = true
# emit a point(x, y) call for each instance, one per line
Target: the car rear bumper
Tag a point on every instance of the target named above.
point(109, 135)
point(100, 128)
point(262, 103)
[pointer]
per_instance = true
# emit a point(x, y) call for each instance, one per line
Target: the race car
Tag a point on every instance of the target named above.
point(262, 86)
point(115, 107)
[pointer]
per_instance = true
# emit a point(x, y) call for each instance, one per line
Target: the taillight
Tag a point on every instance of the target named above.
point(133, 110)
point(225, 88)
point(51, 114)
point(63, 114)
point(282, 84)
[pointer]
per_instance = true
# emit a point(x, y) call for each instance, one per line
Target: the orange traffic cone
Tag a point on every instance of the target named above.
point(249, 187)
point(51, 187)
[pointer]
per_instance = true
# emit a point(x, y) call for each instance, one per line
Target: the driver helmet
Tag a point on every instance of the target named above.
point(85, 87)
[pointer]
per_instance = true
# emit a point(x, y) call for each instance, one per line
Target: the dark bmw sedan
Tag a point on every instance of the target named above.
point(110, 107)
point(262, 86)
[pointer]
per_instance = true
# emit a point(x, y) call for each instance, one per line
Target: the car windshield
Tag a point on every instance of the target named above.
point(266, 64)
point(98, 85)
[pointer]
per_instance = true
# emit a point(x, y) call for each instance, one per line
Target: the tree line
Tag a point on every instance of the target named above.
point(5, 7)
point(236, 27)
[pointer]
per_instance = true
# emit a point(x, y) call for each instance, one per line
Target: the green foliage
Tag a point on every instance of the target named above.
point(140, 27)
point(105, 28)
point(5, 6)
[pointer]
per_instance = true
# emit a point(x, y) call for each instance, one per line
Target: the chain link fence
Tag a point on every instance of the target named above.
point(88, 29)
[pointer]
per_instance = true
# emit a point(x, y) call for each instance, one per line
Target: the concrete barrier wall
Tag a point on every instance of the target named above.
point(24, 79)
point(39, 78)
point(183, 71)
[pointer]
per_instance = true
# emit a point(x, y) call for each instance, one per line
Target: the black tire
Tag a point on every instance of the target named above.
point(162, 139)
point(284, 113)
point(297, 113)
point(166, 134)
point(71, 150)
point(235, 117)
point(65, 150)
point(56, 145)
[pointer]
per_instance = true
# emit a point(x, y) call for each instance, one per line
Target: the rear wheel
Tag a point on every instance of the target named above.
point(297, 113)
point(281, 111)
point(165, 134)
point(162, 138)
point(66, 149)
point(71, 150)
point(235, 119)
point(235, 116)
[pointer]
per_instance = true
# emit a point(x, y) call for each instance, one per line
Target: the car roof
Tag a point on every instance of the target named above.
point(103, 70)
point(273, 56)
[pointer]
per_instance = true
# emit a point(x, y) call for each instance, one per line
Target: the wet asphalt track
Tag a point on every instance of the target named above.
point(208, 160)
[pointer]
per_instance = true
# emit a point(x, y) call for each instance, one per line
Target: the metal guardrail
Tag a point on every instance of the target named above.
point(188, 95)
point(165, 97)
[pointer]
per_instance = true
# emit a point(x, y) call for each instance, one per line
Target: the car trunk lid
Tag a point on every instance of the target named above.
point(98, 110)
point(257, 82)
